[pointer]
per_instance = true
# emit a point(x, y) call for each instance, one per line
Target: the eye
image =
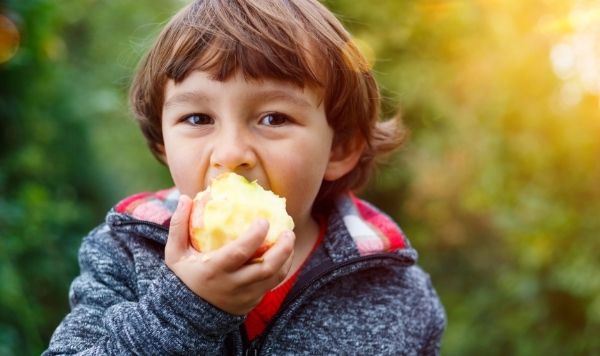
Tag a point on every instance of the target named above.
point(199, 119)
point(274, 119)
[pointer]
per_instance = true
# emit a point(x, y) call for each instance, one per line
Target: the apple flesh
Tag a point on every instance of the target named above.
point(226, 209)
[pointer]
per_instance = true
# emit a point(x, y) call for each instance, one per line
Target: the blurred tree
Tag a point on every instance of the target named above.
point(58, 100)
point(47, 198)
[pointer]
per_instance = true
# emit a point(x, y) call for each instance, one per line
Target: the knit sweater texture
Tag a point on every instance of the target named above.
point(360, 292)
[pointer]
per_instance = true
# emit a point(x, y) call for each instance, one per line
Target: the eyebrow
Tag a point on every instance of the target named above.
point(186, 97)
point(276, 94)
point(260, 95)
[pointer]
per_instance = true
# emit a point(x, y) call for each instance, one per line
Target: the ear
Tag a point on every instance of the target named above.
point(343, 158)
point(161, 153)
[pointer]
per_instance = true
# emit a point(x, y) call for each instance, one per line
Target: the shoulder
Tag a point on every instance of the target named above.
point(409, 285)
point(430, 316)
point(428, 312)
point(104, 248)
point(411, 297)
point(102, 239)
point(419, 284)
point(415, 288)
point(106, 266)
point(408, 294)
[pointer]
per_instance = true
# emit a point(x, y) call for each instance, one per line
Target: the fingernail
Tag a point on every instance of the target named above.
point(180, 202)
point(290, 235)
point(262, 223)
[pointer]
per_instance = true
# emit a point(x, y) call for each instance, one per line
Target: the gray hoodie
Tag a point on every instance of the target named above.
point(359, 293)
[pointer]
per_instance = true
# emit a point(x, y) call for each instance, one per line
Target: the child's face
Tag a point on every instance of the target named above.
point(267, 130)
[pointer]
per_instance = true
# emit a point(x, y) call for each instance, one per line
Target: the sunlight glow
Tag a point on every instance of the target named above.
point(576, 58)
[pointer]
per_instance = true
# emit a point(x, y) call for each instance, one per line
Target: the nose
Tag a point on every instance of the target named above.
point(233, 151)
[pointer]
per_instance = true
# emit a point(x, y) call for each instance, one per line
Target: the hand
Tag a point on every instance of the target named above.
point(224, 277)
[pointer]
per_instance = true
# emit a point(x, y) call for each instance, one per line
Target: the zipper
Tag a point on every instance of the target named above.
point(252, 351)
point(253, 348)
point(157, 234)
point(247, 348)
point(141, 222)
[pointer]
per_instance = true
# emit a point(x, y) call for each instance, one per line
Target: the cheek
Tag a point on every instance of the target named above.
point(185, 168)
point(180, 176)
point(299, 179)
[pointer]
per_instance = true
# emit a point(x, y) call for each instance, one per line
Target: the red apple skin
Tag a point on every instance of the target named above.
point(196, 221)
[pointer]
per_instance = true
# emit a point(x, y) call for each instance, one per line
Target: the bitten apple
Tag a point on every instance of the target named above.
point(225, 210)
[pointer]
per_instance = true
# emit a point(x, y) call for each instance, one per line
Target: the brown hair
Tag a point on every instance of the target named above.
point(298, 41)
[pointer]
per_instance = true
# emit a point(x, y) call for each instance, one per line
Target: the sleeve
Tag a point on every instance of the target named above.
point(106, 317)
point(436, 326)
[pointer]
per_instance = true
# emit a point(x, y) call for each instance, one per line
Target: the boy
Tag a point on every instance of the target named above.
point(275, 91)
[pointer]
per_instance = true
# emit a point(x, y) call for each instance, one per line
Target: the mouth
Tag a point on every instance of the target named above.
point(249, 177)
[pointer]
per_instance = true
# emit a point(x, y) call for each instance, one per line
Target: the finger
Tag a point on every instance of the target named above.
point(285, 273)
point(275, 265)
point(276, 279)
point(235, 254)
point(178, 239)
point(287, 266)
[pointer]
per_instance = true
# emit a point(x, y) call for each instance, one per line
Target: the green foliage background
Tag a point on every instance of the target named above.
point(498, 188)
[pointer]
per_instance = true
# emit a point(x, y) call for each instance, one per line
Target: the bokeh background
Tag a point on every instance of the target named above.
point(498, 188)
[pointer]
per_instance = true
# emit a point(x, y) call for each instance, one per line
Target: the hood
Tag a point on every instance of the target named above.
point(370, 231)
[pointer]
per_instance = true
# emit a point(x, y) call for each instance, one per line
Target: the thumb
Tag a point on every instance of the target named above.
point(178, 240)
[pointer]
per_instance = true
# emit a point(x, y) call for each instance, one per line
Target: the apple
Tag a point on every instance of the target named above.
point(226, 209)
